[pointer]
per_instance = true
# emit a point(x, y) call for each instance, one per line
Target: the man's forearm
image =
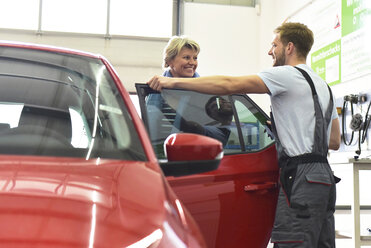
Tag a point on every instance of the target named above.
point(216, 85)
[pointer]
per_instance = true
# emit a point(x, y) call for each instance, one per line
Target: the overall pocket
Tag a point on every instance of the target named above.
point(323, 179)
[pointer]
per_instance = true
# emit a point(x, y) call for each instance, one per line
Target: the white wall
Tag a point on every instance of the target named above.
point(224, 48)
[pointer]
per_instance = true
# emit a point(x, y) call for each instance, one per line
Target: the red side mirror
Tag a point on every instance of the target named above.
point(190, 147)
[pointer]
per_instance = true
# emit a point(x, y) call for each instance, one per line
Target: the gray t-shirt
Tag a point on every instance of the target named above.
point(293, 107)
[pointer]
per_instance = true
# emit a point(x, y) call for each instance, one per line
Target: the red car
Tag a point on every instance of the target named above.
point(77, 168)
point(234, 205)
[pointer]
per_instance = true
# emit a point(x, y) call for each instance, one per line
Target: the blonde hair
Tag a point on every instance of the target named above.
point(175, 45)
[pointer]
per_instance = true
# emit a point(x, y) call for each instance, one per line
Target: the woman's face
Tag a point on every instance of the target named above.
point(184, 64)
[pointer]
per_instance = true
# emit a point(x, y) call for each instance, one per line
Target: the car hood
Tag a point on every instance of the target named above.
point(54, 202)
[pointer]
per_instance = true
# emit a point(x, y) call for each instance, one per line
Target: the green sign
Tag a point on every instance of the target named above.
point(326, 62)
point(354, 15)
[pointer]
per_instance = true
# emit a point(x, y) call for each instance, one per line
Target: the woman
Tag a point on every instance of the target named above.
point(179, 60)
point(180, 57)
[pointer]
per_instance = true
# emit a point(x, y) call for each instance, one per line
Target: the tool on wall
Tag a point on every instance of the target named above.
point(357, 123)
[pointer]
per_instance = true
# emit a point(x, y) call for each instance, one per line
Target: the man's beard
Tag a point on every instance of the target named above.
point(281, 59)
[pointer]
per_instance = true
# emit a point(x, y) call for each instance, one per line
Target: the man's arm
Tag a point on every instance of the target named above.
point(335, 135)
point(216, 85)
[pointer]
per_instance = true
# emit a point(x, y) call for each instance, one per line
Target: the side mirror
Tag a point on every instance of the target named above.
point(189, 154)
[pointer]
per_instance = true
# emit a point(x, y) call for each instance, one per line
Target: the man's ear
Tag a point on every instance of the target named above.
point(290, 48)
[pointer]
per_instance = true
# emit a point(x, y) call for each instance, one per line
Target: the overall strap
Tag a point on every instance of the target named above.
point(311, 84)
point(309, 80)
point(320, 144)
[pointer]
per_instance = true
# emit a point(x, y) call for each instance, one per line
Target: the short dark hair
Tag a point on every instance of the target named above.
point(297, 33)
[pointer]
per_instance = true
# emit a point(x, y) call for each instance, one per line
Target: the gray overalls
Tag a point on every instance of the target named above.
point(306, 202)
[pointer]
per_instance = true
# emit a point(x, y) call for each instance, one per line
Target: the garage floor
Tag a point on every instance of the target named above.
point(344, 227)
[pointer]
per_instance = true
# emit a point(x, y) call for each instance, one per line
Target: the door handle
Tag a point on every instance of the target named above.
point(260, 186)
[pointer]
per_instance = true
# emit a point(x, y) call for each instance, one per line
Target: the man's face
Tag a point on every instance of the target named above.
point(277, 51)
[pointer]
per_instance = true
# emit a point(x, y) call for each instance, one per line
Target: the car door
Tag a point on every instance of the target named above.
point(235, 204)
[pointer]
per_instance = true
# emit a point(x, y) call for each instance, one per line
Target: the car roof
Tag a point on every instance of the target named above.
point(42, 47)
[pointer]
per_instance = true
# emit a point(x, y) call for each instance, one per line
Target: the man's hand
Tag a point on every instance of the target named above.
point(159, 82)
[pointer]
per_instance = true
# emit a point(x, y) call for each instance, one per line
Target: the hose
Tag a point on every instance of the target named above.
point(343, 126)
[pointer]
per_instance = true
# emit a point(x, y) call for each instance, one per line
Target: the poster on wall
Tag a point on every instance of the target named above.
point(341, 49)
point(356, 38)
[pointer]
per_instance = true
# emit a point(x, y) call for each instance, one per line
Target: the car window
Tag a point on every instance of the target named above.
point(62, 105)
point(253, 127)
point(233, 120)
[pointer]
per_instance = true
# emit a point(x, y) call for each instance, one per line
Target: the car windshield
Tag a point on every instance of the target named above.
point(57, 104)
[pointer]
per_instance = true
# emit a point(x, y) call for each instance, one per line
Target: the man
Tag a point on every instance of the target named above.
point(306, 125)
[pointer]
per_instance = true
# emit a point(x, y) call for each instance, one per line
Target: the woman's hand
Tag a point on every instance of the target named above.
point(160, 82)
